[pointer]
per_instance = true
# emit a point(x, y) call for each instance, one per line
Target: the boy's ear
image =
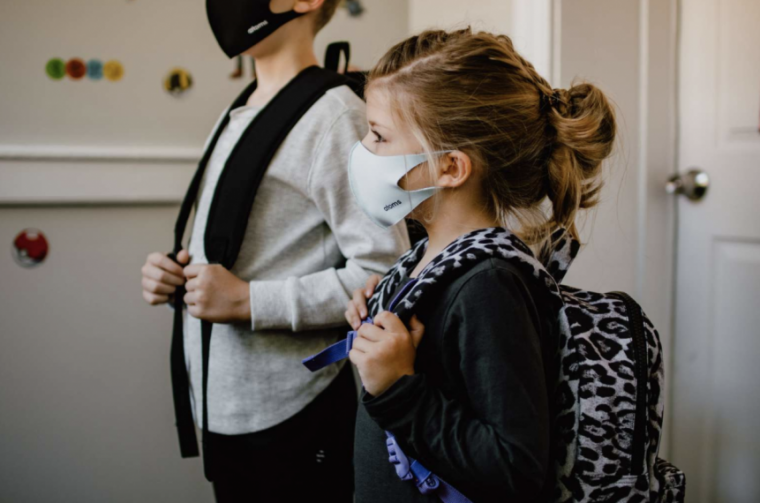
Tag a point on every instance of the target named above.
point(454, 169)
point(306, 6)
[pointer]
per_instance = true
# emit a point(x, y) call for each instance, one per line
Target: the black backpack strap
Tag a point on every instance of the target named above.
point(355, 80)
point(249, 160)
point(183, 413)
point(332, 56)
point(229, 212)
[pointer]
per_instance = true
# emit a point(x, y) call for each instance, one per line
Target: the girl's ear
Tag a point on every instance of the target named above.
point(454, 169)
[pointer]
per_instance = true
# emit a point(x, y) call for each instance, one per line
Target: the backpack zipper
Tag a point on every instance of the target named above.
point(636, 327)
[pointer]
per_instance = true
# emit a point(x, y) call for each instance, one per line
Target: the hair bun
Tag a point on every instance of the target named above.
point(585, 134)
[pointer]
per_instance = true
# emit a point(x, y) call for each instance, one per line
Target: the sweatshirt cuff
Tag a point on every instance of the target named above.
point(270, 305)
point(390, 409)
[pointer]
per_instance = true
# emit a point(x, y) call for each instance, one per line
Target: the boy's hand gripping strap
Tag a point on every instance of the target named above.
point(426, 481)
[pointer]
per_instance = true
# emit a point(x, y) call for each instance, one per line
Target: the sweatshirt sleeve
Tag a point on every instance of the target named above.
point(318, 300)
point(499, 438)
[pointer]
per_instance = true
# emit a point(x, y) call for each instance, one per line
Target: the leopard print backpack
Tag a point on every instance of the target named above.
point(608, 400)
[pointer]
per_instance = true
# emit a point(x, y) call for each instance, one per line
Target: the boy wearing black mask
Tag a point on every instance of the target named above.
point(275, 432)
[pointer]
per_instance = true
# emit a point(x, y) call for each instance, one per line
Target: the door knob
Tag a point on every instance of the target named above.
point(692, 184)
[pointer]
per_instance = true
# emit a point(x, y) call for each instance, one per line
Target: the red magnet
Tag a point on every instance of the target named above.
point(76, 68)
point(30, 248)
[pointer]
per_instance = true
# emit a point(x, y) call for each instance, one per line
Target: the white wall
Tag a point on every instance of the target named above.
point(492, 15)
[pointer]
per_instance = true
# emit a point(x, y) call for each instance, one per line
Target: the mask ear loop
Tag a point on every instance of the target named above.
point(406, 174)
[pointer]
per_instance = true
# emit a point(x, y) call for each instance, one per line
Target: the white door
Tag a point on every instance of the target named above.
point(716, 388)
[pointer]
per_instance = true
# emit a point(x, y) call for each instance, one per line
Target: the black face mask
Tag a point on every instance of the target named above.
point(238, 25)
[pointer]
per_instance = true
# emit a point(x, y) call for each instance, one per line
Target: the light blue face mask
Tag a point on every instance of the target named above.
point(374, 183)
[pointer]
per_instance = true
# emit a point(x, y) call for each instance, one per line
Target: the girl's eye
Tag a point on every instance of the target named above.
point(379, 139)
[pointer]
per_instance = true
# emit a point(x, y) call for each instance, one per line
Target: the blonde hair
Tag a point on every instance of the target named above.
point(325, 14)
point(473, 92)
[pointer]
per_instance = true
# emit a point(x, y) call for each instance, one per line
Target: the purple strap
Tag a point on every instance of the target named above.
point(334, 353)
point(340, 350)
point(426, 481)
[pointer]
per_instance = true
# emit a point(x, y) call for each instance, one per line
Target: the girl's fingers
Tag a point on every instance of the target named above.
point(370, 332)
point(356, 357)
point(372, 283)
point(360, 303)
point(417, 330)
point(363, 345)
point(389, 321)
point(352, 316)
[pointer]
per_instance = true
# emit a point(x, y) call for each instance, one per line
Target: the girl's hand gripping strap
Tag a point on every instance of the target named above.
point(340, 350)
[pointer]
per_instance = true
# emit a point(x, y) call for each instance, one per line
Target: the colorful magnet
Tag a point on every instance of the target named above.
point(55, 69)
point(113, 71)
point(178, 82)
point(355, 8)
point(76, 68)
point(30, 248)
point(95, 69)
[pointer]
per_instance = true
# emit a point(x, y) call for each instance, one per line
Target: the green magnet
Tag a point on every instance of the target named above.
point(56, 69)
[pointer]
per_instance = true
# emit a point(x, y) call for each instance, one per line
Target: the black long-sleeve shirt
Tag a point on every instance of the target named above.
point(477, 411)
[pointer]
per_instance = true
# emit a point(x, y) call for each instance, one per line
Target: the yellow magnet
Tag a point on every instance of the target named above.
point(113, 70)
point(178, 81)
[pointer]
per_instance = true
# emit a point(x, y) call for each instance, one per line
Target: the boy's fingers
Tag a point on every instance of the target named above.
point(157, 274)
point(154, 299)
point(154, 286)
point(189, 298)
point(162, 261)
point(192, 271)
point(183, 256)
point(191, 285)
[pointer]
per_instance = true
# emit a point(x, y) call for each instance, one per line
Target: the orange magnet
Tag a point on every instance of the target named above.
point(76, 68)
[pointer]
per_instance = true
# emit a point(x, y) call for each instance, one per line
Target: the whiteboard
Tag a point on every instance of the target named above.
point(149, 38)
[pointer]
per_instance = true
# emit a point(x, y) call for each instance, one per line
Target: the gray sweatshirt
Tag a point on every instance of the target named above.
point(306, 248)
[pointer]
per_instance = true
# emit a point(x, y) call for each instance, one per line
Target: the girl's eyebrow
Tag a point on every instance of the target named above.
point(375, 124)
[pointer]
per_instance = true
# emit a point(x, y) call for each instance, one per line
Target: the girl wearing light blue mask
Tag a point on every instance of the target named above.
point(456, 352)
